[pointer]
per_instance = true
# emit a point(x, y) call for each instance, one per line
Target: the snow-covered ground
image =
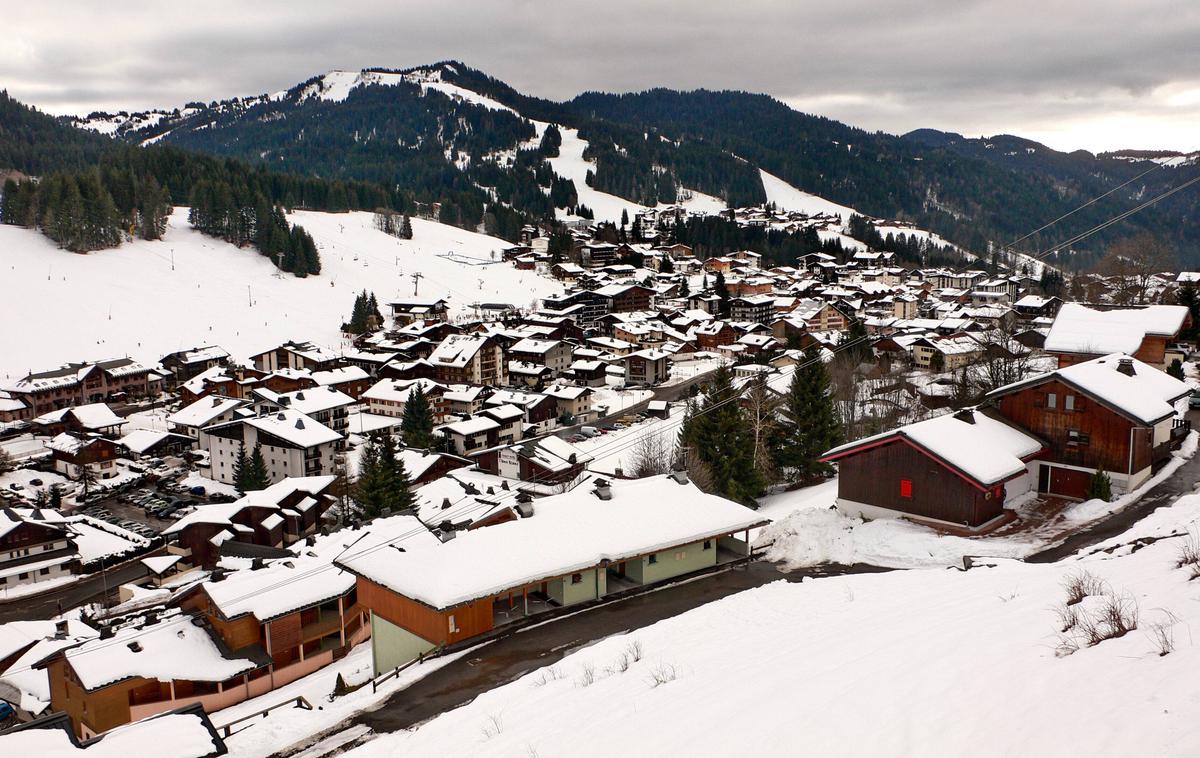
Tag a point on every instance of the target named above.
point(146, 299)
point(924, 663)
point(787, 197)
point(284, 727)
point(808, 532)
point(614, 400)
point(619, 449)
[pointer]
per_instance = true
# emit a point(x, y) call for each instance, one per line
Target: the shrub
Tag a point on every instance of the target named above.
point(1099, 486)
point(661, 674)
point(1081, 585)
point(1162, 633)
point(1189, 553)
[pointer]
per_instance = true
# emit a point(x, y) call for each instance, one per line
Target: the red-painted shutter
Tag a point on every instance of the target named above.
point(906, 488)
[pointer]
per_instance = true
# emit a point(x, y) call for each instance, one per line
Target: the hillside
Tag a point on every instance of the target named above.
point(918, 662)
point(146, 299)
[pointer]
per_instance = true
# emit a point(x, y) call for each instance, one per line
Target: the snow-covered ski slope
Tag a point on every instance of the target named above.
point(134, 301)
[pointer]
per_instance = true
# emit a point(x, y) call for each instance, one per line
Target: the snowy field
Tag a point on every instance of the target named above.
point(146, 299)
point(949, 663)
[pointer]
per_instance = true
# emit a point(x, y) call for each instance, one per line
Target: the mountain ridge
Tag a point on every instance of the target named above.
point(649, 147)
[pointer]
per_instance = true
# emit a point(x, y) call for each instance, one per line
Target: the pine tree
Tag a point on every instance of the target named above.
point(718, 434)
point(406, 232)
point(369, 492)
point(1099, 486)
point(396, 484)
point(6, 461)
point(240, 468)
point(810, 421)
point(1176, 369)
point(256, 476)
point(417, 425)
point(55, 496)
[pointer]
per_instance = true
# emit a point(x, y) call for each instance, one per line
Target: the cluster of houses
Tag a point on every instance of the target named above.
point(255, 593)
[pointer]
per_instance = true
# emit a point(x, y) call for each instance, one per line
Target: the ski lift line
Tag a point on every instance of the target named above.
point(1115, 219)
point(1094, 200)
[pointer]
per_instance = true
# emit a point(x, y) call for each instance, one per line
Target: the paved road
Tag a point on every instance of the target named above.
point(84, 591)
point(670, 393)
point(1182, 482)
point(507, 659)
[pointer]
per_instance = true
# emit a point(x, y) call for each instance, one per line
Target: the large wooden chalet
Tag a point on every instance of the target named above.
point(1047, 434)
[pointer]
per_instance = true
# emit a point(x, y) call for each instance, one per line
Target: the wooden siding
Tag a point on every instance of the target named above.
point(873, 477)
point(425, 622)
point(1108, 432)
point(284, 633)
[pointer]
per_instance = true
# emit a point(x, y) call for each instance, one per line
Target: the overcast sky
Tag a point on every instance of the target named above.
point(1098, 75)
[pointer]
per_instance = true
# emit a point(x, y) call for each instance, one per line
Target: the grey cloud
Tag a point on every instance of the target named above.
point(1076, 74)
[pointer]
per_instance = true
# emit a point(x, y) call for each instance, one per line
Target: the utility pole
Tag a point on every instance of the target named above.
point(416, 280)
point(249, 299)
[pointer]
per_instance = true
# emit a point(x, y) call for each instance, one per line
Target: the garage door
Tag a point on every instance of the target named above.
point(1067, 482)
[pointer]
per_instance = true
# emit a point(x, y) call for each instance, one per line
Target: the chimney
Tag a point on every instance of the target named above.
point(966, 415)
point(504, 485)
point(151, 619)
point(445, 503)
point(603, 490)
point(135, 646)
point(310, 540)
point(299, 423)
point(281, 417)
point(300, 395)
point(106, 632)
point(60, 629)
point(680, 477)
point(257, 563)
point(445, 536)
point(1125, 366)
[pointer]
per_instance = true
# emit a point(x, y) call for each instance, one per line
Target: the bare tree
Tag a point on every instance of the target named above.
point(651, 456)
point(762, 413)
point(1004, 361)
point(6, 461)
point(1134, 261)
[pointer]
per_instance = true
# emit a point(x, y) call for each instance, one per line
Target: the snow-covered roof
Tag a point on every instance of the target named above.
point(271, 497)
point(294, 427)
point(90, 416)
point(1147, 396)
point(173, 648)
point(289, 584)
point(572, 531)
point(204, 411)
point(341, 375)
point(1079, 329)
point(984, 448)
point(160, 564)
point(315, 399)
point(179, 735)
point(457, 350)
point(471, 426)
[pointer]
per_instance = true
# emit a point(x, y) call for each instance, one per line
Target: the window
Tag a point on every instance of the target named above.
point(1078, 438)
point(1051, 400)
point(708, 544)
point(576, 578)
point(450, 621)
point(44, 571)
point(653, 559)
point(906, 488)
point(1069, 402)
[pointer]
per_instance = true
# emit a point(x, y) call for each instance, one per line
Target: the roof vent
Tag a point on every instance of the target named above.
point(135, 646)
point(257, 563)
point(299, 395)
point(966, 415)
point(60, 629)
point(504, 485)
point(680, 477)
point(106, 632)
point(216, 401)
point(299, 423)
point(603, 491)
point(491, 491)
point(281, 417)
point(1125, 366)
point(525, 509)
point(445, 503)
point(446, 536)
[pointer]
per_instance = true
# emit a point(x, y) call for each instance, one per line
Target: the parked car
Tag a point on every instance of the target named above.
point(36, 482)
point(197, 490)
